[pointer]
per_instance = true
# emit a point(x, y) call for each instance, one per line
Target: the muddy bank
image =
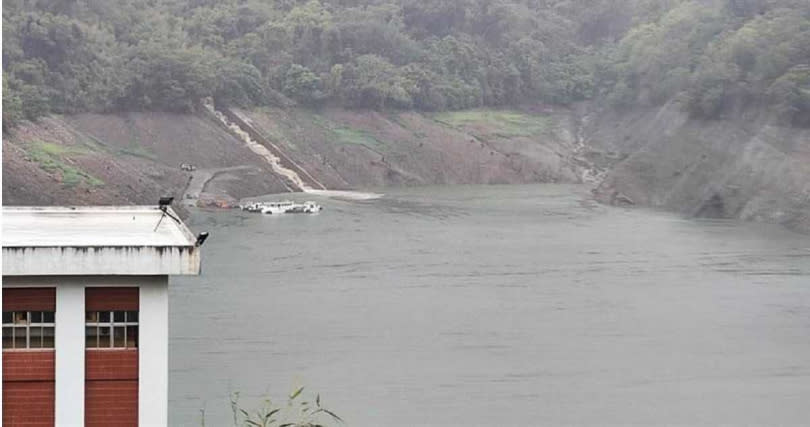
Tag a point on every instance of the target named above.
point(345, 149)
point(134, 158)
point(124, 159)
point(747, 167)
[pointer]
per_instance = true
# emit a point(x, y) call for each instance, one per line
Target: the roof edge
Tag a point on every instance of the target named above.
point(39, 208)
point(190, 237)
point(184, 228)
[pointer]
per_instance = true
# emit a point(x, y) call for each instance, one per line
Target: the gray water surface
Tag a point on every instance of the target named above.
point(496, 306)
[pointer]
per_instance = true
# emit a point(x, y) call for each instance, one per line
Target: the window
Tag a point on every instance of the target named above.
point(112, 329)
point(28, 329)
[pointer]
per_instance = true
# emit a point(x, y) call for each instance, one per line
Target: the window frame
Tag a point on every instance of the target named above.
point(111, 325)
point(28, 325)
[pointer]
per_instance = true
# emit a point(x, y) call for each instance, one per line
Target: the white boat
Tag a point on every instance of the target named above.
point(312, 207)
point(275, 208)
point(251, 207)
point(283, 207)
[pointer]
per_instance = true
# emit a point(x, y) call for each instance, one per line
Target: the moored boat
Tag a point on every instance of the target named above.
point(282, 207)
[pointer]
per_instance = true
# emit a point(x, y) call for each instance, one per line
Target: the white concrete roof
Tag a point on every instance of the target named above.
point(92, 226)
point(96, 240)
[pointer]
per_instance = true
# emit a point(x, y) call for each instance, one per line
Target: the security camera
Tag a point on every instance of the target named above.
point(201, 238)
point(165, 201)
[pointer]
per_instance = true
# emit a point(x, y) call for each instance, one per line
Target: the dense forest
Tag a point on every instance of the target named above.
point(68, 56)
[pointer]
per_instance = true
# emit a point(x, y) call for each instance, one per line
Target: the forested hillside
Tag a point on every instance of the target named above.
point(165, 55)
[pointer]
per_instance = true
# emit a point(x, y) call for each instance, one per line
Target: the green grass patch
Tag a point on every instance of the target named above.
point(89, 143)
point(92, 144)
point(138, 151)
point(51, 149)
point(50, 158)
point(502, 123)
point(347, 135)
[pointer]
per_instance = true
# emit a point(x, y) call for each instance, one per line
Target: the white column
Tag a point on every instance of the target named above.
point(153, 354)
point(69, 343)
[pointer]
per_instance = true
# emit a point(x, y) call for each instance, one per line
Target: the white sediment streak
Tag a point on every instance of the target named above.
point(591, 173)
point(261, 150)
point(278, 168)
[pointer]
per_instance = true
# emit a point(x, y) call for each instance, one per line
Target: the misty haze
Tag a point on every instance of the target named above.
point(406, 213)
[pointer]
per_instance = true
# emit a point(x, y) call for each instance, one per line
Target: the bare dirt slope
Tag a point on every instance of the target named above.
point(136, 157)
point(121, 159)
point(347, 149)
point(748, 167)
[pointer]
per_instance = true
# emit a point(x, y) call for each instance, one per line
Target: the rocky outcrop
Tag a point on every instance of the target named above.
point(747, 167)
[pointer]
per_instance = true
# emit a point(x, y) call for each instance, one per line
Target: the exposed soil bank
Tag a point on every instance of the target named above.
point(135, 158)
point(747, 167)
point(121, 159)
point(347, 149)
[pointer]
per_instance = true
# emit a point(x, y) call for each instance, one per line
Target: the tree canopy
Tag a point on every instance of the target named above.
point(165, 55)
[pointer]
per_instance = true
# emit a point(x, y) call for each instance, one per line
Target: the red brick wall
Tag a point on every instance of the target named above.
point(29, 299)
point(111, 386)
point(28, 403)
point(111, 403)
point(101, 299)
point(111, 364)
point(28, 365)
point(28, 388)
point(28, 376)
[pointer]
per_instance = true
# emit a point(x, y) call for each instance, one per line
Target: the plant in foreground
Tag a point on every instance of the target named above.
point(298, 412)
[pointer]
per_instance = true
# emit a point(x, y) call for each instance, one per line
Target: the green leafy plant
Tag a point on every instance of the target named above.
point(300, 410)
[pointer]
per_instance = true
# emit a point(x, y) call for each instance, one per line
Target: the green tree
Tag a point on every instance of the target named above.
point(120, 55)
point(302, 84)
point(12, 105)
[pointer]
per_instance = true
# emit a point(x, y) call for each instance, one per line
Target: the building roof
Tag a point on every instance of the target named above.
point(92, 226)
point(96, 240)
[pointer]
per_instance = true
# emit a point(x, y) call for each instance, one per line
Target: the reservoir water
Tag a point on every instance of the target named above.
point(495, 306)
